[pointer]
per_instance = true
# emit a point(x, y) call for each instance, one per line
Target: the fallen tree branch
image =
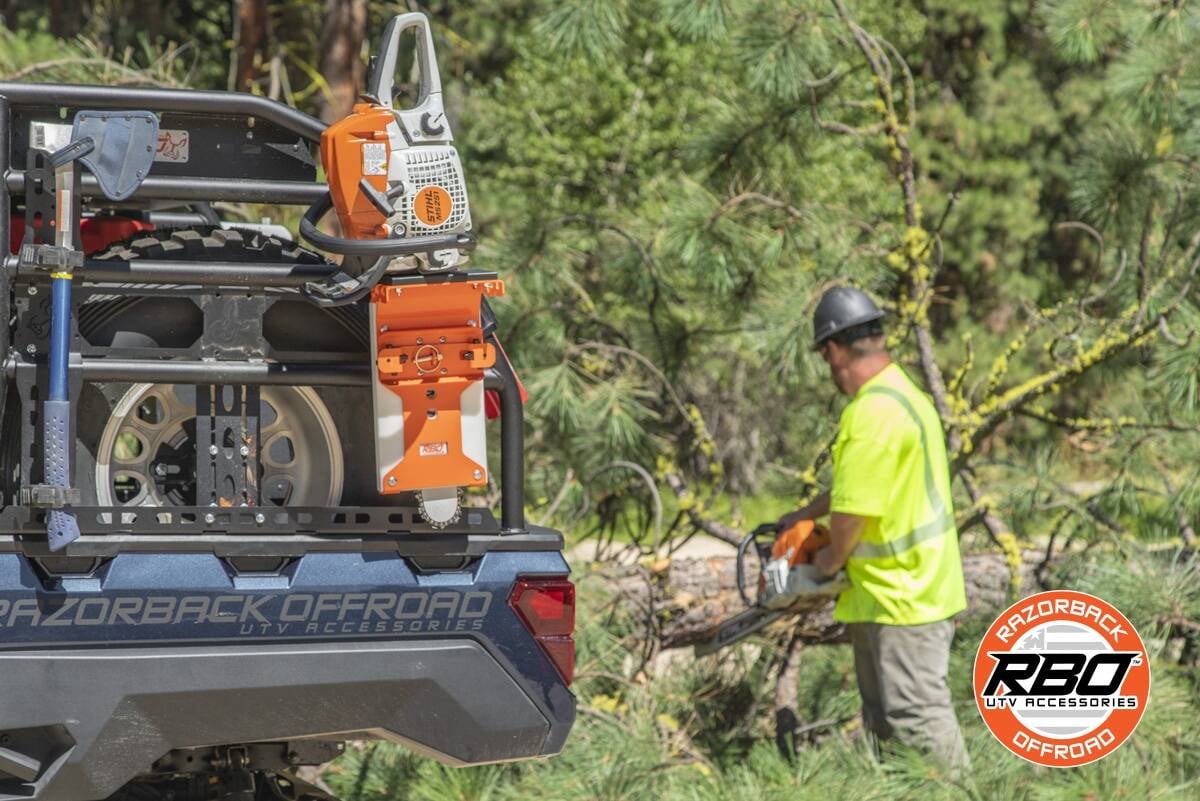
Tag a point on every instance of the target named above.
point(710, 527)
point(694, 595)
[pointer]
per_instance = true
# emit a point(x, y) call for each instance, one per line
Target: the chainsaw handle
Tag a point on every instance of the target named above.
point(751, 538)
point(380, 84)
point(375, 247)
point(341, 289)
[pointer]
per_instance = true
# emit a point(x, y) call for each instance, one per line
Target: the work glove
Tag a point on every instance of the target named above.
point(800, 542)
point(806, 585)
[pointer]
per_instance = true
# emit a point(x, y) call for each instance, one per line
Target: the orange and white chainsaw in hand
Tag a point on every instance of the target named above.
point(788, 581)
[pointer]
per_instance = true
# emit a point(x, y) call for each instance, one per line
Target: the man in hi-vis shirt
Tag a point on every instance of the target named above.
point(892, 529)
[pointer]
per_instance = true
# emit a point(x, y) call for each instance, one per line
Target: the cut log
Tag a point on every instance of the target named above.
point(683, 600)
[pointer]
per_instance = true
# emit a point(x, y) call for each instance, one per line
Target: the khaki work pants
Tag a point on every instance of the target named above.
point(902, 679)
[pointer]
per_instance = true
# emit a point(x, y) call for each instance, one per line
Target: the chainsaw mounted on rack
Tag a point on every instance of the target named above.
point(396, 184)
point(788, 582)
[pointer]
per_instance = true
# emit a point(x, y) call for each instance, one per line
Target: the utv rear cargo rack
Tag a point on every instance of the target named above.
point(241, 148)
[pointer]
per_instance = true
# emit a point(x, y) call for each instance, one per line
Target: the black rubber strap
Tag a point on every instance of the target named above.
point(375, 247)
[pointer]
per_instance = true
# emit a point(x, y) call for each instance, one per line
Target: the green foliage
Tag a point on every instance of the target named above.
point(682, 729)
point(585, 27)
point(1084, 30)
point(668, 185)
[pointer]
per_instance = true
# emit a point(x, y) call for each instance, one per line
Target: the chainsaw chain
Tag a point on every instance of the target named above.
point(457, 516)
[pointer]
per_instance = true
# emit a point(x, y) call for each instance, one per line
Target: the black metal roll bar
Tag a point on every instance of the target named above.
point(195, 101)
point(192, 101)
point(232, 190)
point(205, 273)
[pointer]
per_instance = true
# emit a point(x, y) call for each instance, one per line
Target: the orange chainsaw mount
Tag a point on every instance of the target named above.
point(437, 368)
point(430, 355)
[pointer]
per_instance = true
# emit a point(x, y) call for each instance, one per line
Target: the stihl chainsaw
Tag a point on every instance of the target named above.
point(396, 184)
point(788, 582)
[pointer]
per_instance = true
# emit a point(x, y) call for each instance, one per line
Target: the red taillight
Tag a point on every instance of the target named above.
point(547, 608)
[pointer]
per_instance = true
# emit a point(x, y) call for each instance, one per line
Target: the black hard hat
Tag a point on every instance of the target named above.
point(841, 309)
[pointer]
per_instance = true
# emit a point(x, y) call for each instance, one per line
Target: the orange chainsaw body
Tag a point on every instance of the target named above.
point(800, 543)
point(352, 149)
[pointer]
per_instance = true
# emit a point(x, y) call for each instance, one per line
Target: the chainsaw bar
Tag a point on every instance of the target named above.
point(440, 512)
point(738, 628)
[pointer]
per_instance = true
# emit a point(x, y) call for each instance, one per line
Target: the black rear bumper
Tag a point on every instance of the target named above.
point(122, 710)
point(103, 674)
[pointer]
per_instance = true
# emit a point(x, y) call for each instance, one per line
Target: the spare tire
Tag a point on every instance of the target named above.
point(135, 443)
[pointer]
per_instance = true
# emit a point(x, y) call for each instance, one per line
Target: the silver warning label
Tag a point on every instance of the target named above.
point(374, 155)
point(434, 449)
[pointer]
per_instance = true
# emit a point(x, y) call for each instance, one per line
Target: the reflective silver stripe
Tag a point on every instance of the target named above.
point(942, 520)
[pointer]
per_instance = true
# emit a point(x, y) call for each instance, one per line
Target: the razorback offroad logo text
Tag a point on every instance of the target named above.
point(1062, 678)
point(261, 614)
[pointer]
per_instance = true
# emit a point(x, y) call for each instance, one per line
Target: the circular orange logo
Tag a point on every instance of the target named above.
point(1062, 678)
point(432, 205)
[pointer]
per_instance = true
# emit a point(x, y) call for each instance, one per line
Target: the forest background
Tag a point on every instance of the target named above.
point(668, 186)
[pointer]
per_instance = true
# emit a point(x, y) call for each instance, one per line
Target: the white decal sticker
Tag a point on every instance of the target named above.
point(435, 449)
point(374, 158)
point(172, 146)
point(50, 136)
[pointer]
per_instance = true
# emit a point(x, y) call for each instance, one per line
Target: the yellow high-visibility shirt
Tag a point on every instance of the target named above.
point(890, 466)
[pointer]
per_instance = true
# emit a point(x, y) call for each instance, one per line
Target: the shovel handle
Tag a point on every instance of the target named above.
point(61, 526)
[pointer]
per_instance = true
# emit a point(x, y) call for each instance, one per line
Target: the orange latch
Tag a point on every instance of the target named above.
point(430, 352)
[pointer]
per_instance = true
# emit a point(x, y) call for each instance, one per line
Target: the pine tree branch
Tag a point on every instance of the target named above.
point(994, 525)
point(826, 84)
point(1112, 341)
point(1102, 424)
point(651, 486)
point(1143, 267)
point(710, 527)
point(755, 197)
point(918, 272)
point(610, 349)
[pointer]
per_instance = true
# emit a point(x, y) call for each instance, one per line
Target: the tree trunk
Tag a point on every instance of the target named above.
point(250, 42)
point(692, 596)
point(344, 25)
point(10, 14)
point(66, 18)
point(787, 712)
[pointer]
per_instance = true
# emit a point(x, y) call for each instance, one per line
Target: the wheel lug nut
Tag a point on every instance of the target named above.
point(209, 518)
point(244, 450)
point(212, 450)
point(260, 518)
